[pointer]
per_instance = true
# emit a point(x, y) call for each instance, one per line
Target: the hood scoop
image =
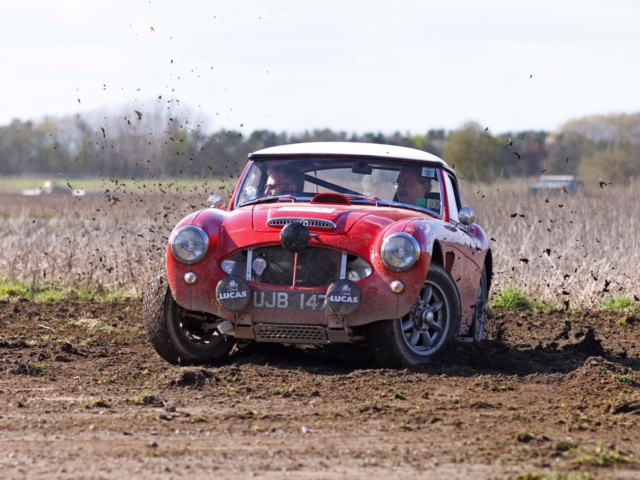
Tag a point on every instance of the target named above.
point(325, 219)
point(307, 222)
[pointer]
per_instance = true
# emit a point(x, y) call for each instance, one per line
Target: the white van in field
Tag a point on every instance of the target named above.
point(556, 183)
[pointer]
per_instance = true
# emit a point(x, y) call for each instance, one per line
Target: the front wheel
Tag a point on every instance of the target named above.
point(178, 335)
point(426, 330)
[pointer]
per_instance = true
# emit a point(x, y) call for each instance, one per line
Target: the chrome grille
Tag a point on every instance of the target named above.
point(316, 266)
point(290, 334)
point(307, 222)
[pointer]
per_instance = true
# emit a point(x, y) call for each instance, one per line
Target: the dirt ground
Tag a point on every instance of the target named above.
point(83, 395)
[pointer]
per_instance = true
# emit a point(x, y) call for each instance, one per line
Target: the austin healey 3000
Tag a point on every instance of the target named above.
point(323, 243)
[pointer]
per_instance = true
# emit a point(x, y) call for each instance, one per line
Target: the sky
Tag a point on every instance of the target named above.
point(357, 66)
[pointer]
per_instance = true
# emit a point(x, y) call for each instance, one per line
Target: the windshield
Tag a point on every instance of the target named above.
point(384, 181)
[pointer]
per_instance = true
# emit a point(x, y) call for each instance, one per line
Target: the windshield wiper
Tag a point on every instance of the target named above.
point(359, 196)
point(416, 208)
point(275, 198)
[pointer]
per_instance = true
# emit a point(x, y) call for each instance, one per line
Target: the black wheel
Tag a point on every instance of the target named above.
point(426, 330)
point(178, 335)
point(480, 313)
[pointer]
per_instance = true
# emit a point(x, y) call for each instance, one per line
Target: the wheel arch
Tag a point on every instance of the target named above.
point(488, 264)
point(437, 256)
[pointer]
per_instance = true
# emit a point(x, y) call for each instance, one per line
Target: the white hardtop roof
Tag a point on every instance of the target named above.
point(350, 148)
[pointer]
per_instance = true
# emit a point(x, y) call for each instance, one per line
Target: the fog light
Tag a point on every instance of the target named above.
point(190, 278)
point(397, 286)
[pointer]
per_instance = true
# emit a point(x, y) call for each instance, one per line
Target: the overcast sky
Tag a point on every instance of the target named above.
point(350, 65)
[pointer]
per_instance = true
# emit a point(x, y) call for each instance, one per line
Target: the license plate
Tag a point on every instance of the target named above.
point(288, 300)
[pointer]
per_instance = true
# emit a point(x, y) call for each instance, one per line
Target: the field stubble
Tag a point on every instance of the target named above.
point(566, 250)
point(571, 250)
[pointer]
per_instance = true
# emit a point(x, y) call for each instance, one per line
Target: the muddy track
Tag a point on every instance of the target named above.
point(82, 395)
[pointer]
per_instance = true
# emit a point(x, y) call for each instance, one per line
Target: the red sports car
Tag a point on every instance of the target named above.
point(323, 243)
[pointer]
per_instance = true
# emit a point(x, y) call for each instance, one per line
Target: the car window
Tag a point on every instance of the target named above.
point(375, 179)
point(250, 186)
point(453, 195)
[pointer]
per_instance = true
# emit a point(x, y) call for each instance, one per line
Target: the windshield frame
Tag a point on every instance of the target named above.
point(325, 174)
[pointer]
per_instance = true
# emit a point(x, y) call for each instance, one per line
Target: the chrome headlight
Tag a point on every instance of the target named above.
point(189, 244)
point(400, 251)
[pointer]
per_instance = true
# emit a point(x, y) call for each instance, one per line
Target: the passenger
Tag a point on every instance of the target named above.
point(412, 187)
point(283, 178)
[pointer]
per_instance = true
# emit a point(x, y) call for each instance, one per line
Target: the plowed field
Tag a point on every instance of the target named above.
point(83, 395)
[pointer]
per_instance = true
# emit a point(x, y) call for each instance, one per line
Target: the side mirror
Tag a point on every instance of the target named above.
point(466, 216)
point(216, 201)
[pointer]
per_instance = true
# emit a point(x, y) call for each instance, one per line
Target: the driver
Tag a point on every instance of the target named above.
point(411, 186)
point(283, 178)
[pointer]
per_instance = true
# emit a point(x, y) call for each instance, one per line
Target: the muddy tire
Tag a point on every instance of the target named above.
point(179, 336)
point(426, 331)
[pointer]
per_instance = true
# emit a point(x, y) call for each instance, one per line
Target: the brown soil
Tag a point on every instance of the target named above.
point(83, 395)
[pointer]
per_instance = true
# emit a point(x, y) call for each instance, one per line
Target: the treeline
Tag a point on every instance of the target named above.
point(168, 142)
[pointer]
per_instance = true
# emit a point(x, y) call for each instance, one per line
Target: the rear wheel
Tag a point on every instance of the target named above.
point(178, 335)
point(426, 330)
